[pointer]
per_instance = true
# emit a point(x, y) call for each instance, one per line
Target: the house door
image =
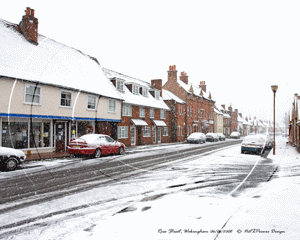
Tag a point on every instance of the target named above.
point(159, 135)
point(60, 136)
point(133, 135)
point(154, 134)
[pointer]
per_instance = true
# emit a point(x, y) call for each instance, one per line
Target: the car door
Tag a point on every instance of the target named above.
point(102, 144)
point(111, 145)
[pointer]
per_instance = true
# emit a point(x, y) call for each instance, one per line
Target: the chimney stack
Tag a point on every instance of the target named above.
point(172, 73)
point(230, 108)
point(29, 26)
point(184, 77)
point(202, 85)
point(157, 84)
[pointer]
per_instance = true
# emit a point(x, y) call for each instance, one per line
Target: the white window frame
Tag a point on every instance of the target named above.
point(144, 91)
point(151, 112)
point(120, 85)
point(39, 95)
point(157, 95)
point(163, 114)
point(135, 89)
point(122, 132)
point(127, 110)
point(71, 100)
point(165, 131)
point(146, 131)
point(142, 112)
point(91, 96)
point(112, 107)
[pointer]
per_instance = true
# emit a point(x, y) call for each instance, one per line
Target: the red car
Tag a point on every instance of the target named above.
point(96, 145)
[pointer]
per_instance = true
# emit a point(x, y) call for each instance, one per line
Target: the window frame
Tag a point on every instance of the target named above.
point(127, 110)
point(91, 96)
point(142, 112)
point(163, 114)
point(109, 106)
point(165, 131)
point(146, 131)
point(120, 85)
point(122, 132)
point(135, 89)
point(39, 95)
point(151, 115)
point(71, 100)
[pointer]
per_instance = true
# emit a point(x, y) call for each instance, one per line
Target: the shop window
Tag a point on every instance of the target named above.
point(85, 127)
point(15, 134)
point(32, 94)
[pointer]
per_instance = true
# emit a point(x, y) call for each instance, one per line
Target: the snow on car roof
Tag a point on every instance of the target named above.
point(50, 62)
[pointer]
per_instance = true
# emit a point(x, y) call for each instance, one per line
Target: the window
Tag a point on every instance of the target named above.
point(142, 112)
point(151, 113)
point(146, 131)
point(188, 111)
point(111, 106)
point(127, 110)
point(135, 90)
point(157, 94)
point(65, 99)
point(163, 114)
point(91, 102)
point(144, 92)
point(122, 132)
point(120, 85)
point(33, 94)
point(165, 131)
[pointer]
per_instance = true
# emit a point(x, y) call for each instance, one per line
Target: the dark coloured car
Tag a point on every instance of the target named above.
point(196, 137)
point(212, 137)
point(253, 144)
point(11, 158)
point(96, 145)
point(221, 136)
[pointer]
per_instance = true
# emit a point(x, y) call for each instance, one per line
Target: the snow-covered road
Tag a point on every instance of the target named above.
point(175, 202)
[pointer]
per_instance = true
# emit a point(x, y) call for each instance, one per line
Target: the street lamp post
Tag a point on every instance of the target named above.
point(274, 89)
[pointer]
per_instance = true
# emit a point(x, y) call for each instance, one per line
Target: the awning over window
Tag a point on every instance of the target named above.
point(139, 122)
point(159, 123)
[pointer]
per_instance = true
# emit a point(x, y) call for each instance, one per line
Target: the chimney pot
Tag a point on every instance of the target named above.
point(32, 12)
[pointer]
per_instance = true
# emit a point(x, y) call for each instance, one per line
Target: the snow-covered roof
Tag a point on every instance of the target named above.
point(137, 99)
point(240, 119)
point(167, 95)
point(50, 62)
point(196, 89)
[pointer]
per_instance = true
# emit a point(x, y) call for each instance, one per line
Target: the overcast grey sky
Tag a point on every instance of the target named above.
point(240, 48)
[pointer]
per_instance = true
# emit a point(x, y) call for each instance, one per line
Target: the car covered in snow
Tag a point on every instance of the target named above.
point(221, 136)
point(253, 144)
point(196, 137)
point(235, 135)
point(11, 158)
point(212, 137)
point(95, 145)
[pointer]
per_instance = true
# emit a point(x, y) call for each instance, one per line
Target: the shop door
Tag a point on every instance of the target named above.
point(132, 134)
point(60, 136)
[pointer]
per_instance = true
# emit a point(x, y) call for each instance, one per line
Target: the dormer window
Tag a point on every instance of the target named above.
point(120, 85)
point(157, 94)
point(144, 92)
point(135, 89)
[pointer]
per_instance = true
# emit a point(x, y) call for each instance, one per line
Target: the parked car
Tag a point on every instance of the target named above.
point(253, 144)
point(269, 140)
point(221, 136)
point(11, 158)
point(235, 135)
point(96, 145)
point(212, 137)
point(196, 137)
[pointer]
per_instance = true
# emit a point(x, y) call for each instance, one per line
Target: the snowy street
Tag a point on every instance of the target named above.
point(198, 195)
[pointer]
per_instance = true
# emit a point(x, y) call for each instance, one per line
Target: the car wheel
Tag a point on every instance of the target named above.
point(121, 151)
point(11, 164)
point(97, 153)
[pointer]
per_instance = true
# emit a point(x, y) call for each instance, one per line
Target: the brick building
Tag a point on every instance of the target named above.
point(144, 113)
point(199, 106)
point(294, 129)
